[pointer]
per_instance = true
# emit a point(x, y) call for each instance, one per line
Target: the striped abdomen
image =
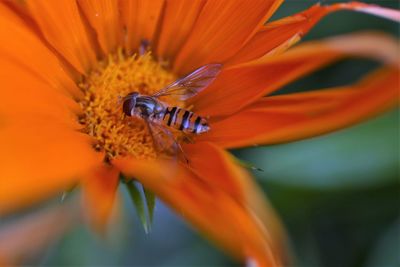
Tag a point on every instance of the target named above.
point(184, 120)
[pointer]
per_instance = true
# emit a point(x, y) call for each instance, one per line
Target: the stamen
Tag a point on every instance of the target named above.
point(103, 119)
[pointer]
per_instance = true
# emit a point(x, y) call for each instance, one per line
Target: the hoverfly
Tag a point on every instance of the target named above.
point(160, 118)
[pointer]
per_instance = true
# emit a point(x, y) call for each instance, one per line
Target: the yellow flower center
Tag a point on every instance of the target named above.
point(105, 86)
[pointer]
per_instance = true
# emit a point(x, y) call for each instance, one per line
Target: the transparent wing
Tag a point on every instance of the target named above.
point(164, 141)
point(191, 84)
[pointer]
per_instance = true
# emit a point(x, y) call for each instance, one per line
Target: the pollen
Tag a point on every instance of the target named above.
point(104, 87)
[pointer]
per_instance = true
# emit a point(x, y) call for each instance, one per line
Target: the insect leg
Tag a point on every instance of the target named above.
point(187, 138)
point(185, 158)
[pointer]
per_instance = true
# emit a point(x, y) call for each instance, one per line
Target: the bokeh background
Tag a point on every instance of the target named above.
point(337, 194)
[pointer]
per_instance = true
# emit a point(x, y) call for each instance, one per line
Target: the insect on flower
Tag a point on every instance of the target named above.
point(157, 114)
point(60, 126)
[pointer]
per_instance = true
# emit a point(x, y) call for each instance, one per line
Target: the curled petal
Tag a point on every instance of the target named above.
point(30, 169)
point(231, 212)
point(376, 10)
point(288, 31)
point(377, 46)
point(295, 116)
point(241, 85)
point(100, 185)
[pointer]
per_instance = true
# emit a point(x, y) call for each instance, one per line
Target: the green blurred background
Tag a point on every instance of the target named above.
point(337, 194)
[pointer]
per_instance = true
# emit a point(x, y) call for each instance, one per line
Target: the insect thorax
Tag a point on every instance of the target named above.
point(142, 106)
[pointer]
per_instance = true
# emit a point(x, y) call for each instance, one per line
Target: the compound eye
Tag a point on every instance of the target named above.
point(128, 106)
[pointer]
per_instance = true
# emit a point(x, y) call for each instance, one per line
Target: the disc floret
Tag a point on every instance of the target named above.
point(104, 87)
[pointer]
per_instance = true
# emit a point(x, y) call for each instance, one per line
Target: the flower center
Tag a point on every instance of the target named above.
point(105, 86)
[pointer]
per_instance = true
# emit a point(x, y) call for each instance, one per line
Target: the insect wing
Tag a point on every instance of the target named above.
point(163, 140)
point(191, 84)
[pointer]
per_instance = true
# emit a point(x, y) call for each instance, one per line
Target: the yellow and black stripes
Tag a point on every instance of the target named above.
point(170, 113)
point(184, 120)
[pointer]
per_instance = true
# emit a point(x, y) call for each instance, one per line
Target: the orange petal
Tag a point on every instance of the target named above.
point(220, 175)
point(295, 116)
point(237, 224)
point(103, 16)
point(289, 30)
point(40, 158)
point(241, 85)
point(35, 57)
point(140, 18)
point(22, 239)
point(25, 93)
point(217, 168)
point(62, 26)
point(100, 187)
point(178, 20)
point(222, 28)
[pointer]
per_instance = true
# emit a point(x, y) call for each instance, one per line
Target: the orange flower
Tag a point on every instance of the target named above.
point(65, 63)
